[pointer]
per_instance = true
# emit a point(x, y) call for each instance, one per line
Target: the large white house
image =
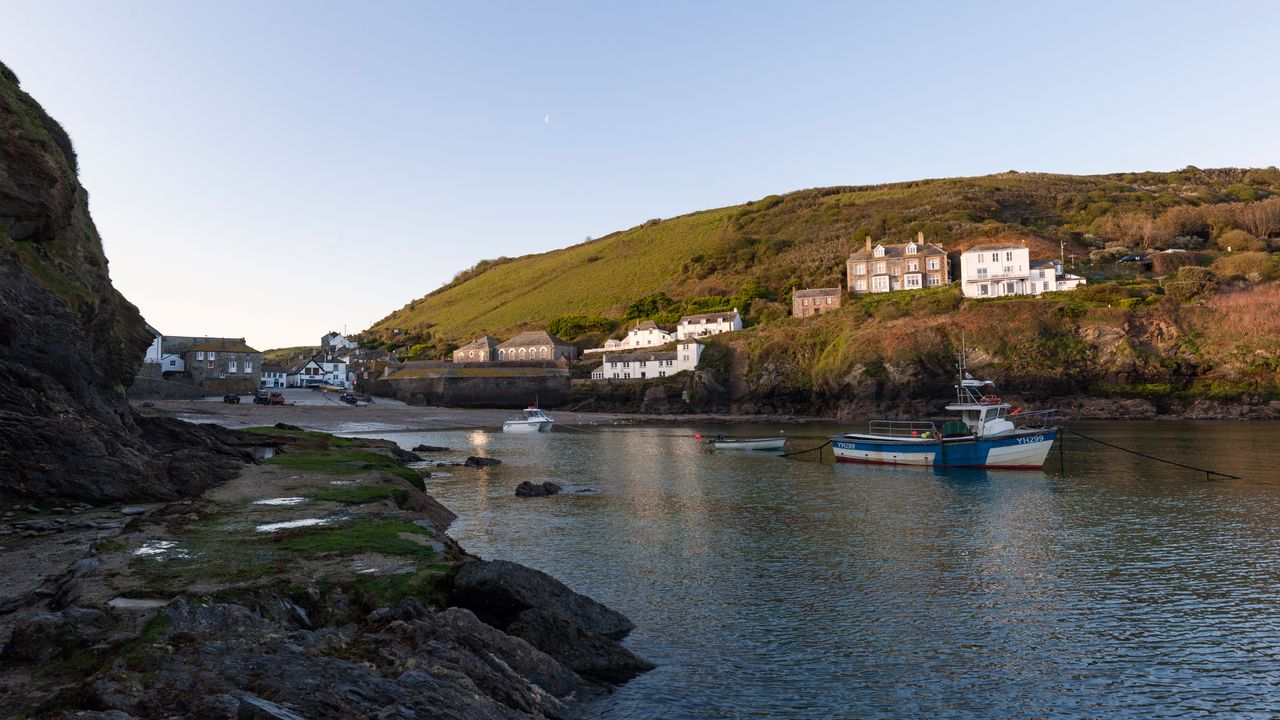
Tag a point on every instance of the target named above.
point(694, 326)
point(998, 270)
point(643, 335)
point(645, 366)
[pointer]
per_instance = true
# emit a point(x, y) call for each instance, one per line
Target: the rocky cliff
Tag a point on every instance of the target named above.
point(70, 343)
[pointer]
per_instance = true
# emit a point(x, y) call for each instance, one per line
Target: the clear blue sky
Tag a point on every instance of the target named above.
point(280, 169)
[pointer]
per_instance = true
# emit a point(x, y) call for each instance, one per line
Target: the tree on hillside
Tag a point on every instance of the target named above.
point(1261, 219)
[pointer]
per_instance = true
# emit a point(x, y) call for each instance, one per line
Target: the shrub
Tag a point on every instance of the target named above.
point(1240, 241)
point(1251, 266)
point(1191, 283)
point(1166, 263)
point(1109, 254)
point(571, 327)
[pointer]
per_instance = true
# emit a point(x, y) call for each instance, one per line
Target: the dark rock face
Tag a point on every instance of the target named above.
point(528, 489)
point(501, 590)
point(226, 660)
point(586, 653)
point(475, 461)
point(579, 632)
point(430, 448)
point(70, 344)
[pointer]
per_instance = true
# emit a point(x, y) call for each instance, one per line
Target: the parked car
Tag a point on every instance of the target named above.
point(347, 398)
point(231, 399)
point(276, 398)
point(1132, 259)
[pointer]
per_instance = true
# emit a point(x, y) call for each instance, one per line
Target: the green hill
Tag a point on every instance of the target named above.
point(754, 254)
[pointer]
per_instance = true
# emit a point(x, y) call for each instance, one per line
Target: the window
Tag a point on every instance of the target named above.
point(879, 252)
point(911, 248)
point(913, 281)
point(860, 269)
point(879, 284)
point(1008, 257)
point(213, 355)
point(879, 268)
point(1010, 288)
point(983, 290)
point(199, 354)
point(933, 263)
point(982, 272)
point(828, 301)
point(248, 366)
point(173, 363)
point(210, 365)
point(934, 280)
point(626, 364)
point(804, 302)
point(995, 257)
point(1033, 288)
point(860, 286)
point(231, 366)
point(1008, 269)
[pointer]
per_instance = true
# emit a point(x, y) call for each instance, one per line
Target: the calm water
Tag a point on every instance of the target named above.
point(767, 587)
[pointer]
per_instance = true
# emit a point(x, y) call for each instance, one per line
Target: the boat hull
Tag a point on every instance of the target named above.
point(757, 444)
point(520, 426)
point(1021, 450)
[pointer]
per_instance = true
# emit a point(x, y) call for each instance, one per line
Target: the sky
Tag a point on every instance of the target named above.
point(276, 170)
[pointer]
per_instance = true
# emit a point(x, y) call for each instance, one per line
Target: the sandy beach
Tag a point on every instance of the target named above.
point(314, 410)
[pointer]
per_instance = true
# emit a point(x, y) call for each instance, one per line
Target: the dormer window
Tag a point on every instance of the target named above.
point(911, 248)
point(879, 251)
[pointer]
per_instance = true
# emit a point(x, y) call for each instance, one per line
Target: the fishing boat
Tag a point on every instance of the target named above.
point(769, 443)
point(531, 420)
point(987, 434)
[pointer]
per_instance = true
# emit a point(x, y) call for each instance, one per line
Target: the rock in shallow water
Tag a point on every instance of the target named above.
point(528, 489)
point(501, 590)
point(476, 461)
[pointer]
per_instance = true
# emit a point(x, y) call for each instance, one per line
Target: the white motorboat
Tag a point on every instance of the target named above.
point(531, 420)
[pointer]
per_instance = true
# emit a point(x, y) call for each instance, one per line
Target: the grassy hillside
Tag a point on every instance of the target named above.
point(802, 239)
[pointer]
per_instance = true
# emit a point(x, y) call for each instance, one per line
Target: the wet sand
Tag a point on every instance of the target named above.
point(317, 411)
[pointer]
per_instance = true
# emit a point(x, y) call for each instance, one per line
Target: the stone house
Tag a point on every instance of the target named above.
point(648, 365)
point(480, 350)
point(694, 326)
point(908, 266)
point(815, 300)
point(536, 345)
point(225, 365)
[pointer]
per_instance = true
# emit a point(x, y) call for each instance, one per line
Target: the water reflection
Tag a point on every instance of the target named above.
point(797, 588)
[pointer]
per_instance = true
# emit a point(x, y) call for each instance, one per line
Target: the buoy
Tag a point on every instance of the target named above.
point(697, 436)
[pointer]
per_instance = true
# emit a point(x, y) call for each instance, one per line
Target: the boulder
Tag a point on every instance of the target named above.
point(475, 461)
point(528, 489)
point(499, 590)
point(430, 448)
point(586, 653)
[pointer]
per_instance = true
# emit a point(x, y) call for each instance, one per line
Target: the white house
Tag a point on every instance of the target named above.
point(694, 326)
point(610, 345)
point(643, 335)
point(333, 341)
point(335, 371)
point(273, 376)
point(644, 366)
point(306, 374)
point(155, 351)
point(172, 363)
point(998, 270)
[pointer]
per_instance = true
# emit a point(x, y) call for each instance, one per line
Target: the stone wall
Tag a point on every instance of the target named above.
point(546, 386)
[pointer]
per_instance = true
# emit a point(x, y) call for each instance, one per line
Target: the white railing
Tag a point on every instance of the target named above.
point(904, 428)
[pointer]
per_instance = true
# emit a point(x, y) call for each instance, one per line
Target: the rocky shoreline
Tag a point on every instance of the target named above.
point(318, 584)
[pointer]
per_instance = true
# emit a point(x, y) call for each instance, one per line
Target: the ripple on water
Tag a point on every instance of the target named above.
point(281, 501)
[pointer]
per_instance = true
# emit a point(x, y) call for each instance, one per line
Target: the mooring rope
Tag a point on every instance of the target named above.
point(801, 452)
point(1207, 473)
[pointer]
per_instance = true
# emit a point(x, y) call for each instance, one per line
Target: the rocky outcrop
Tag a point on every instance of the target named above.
point(530, 489)
point(69, 342)
point(574, 629)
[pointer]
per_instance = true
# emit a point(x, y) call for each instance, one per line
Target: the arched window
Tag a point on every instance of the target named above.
point(502, 354)
point(544, 352)
point(522, 354)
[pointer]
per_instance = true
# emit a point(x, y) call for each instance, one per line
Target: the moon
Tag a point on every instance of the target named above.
point(546, 120)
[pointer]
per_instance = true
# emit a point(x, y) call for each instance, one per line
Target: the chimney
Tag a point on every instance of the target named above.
point(868, 244)
point(920, 238)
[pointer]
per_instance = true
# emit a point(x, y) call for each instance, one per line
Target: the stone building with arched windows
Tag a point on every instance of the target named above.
point(484, 349)
point(536, 345)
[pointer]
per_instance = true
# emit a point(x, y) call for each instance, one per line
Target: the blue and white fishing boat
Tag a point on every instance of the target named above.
point(987, 434)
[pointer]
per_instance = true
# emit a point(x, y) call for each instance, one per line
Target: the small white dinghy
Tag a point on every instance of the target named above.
point(531, 420)
point(769, 443)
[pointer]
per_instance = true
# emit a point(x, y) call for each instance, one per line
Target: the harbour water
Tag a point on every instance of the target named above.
point(769, 587)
